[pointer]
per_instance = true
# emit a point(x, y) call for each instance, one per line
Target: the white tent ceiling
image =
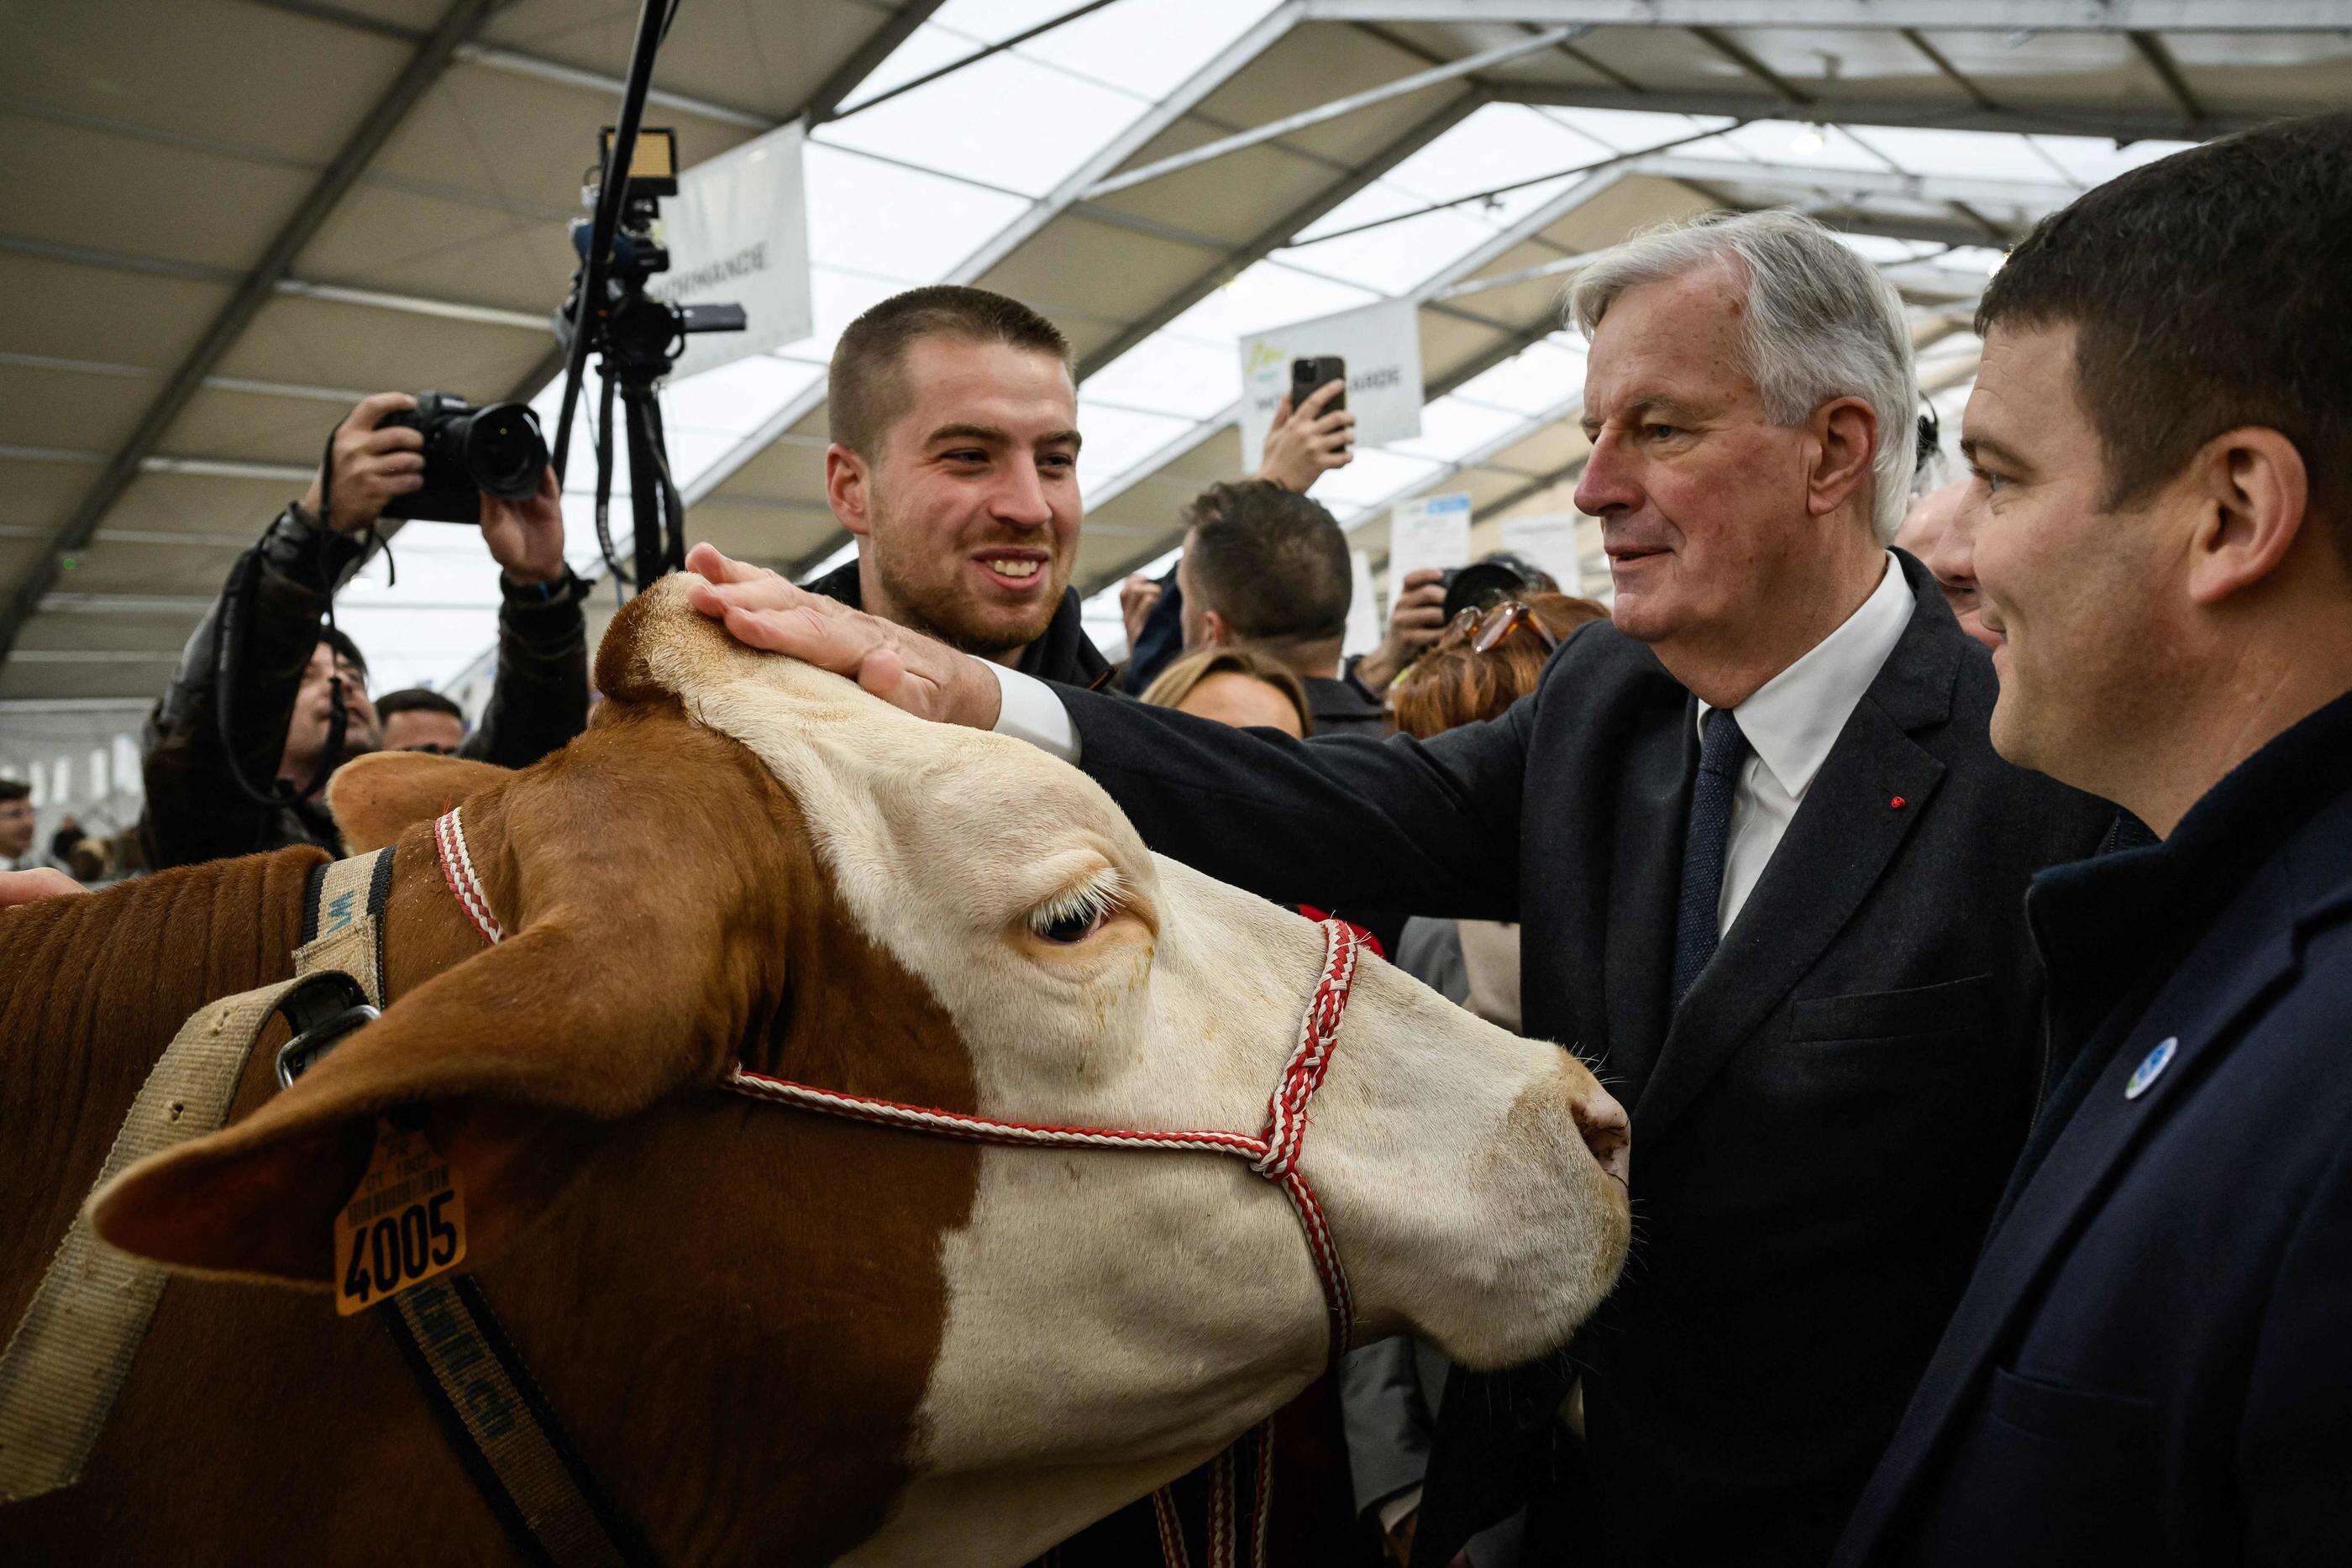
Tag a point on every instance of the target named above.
point(203, 261)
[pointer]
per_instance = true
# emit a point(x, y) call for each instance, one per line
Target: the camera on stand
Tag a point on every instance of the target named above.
point(469, 452)
point(637, 339)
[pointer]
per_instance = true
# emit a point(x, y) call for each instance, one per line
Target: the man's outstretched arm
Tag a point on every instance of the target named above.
point(1396, 824)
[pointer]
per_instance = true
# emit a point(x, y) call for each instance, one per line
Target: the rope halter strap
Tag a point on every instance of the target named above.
point(1273, 1154)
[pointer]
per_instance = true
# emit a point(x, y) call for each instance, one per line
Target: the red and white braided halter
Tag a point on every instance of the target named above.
point(1273, 1154)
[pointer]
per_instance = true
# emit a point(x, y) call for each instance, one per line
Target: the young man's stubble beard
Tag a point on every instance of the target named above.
point(944, 610)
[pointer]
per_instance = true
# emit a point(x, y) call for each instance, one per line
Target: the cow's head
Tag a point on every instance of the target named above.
point(748, 859)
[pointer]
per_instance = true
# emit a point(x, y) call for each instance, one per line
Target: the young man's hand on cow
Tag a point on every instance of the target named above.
point(921, 674)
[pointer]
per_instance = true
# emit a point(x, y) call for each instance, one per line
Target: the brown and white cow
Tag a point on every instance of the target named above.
point(775, 1337)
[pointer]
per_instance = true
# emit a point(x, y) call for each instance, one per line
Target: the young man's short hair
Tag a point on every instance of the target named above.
point(1272, 563)
point(2208, 291)
point(15, 790)
point(866, 391)
point(417, 699)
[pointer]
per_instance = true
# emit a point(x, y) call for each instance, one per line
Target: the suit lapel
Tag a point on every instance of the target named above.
point(1644, 880)
point(2100, 1134)
point(1832, 856)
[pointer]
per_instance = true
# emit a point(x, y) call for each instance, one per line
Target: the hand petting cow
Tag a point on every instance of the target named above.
point(773, 1337)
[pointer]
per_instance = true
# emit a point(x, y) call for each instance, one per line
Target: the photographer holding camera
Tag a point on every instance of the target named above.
point(257, 716)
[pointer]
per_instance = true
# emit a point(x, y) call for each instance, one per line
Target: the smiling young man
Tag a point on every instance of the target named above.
point(954, 462)
point(2153, 1363)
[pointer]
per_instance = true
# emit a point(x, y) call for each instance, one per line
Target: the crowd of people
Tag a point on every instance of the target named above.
point(1952, 878)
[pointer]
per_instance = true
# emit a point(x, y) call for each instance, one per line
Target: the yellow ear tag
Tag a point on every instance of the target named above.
point(406, 1222)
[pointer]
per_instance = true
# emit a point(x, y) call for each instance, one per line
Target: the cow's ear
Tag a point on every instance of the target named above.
point(377, 796)
point(637, 972)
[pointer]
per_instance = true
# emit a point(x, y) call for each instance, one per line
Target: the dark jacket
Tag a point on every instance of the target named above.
point(1065, 654)
point(195, 811)
point(1820, 1135)
point(2153, 1363)
point(1343, 708)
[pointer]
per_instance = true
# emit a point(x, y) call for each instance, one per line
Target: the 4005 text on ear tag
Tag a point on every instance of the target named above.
point(405, 1223)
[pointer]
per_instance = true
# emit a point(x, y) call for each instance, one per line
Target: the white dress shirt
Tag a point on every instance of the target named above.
point(1791, 724)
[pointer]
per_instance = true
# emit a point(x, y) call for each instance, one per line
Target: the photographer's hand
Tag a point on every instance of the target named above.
point(1304, 444)
point(921, 674)
point(371, 465)
point(526, 538)
point(1413, 624)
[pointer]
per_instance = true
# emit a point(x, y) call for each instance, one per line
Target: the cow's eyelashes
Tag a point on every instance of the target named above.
point(1076, 913)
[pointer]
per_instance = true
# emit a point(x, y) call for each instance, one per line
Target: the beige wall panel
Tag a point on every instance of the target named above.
point(216, 69)
point(79, 312)
point(74, 409)
point(1095, 273)
point(527, 139)
point(42, 494)
point(1447, 341)
point(1555, 446)
point(80, 632)
point(789, 470)
point(1238, 193)
point(82, 187)
point(112, 568)
point(253, 427)
point(202, 503)
point(403, 243)
point(770, 536)
point(763, 55)
point(316, 343)
point(83, 682)
point(2265, 73)
point(1621, 211)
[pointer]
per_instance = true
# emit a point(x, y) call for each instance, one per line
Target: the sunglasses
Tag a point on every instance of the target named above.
point(1484, 629)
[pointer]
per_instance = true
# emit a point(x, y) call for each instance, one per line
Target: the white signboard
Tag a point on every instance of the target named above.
point(1549, 542)
point(1363, 607)
point(1433, 531)
point(1382, 344)
point(737, 235)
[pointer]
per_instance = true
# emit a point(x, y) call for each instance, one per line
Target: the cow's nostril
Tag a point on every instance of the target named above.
point(1607, 1134)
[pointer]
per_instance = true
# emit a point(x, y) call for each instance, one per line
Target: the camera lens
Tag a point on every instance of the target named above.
point(502, 451)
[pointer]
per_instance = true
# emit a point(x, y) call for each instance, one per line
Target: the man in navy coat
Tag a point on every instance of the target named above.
point(2153, 1361)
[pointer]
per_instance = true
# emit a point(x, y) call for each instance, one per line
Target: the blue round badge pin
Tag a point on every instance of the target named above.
point(2153, 1063)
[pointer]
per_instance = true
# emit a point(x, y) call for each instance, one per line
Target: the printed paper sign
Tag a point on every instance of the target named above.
point(1382, 344)
point(737, 235)
point(1363, 607)
point(1547, 542)
point(1433, 531)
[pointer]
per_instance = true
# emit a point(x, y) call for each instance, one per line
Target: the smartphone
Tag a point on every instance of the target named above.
point(1306, 375)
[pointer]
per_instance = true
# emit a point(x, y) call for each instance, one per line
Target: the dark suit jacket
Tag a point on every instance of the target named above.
point(2153, 1363)
point(1819, 1134)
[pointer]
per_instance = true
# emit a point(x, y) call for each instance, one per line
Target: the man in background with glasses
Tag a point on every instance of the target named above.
point(1768, 875)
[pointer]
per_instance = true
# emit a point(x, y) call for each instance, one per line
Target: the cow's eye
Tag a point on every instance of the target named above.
point(1071, 916)
point(1074, 926)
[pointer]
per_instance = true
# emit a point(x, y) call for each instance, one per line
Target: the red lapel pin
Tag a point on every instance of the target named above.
point(1897, 802)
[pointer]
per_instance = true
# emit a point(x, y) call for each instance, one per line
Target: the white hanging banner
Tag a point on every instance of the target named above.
point(1433, 531)
point(1382, 344)
point(1549, 542)
point(737, 235)
point(1363, 607)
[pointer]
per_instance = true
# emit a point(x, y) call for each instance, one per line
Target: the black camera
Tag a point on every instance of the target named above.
point(469, 452)
point(1491, 581)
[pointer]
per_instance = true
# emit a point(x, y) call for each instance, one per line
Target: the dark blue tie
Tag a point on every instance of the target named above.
point(1721, 749)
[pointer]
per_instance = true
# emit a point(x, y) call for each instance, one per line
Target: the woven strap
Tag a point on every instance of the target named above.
point(67, 1360)
point(497, 1418)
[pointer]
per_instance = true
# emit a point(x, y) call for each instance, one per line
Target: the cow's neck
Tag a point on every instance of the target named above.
point(94, 988)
